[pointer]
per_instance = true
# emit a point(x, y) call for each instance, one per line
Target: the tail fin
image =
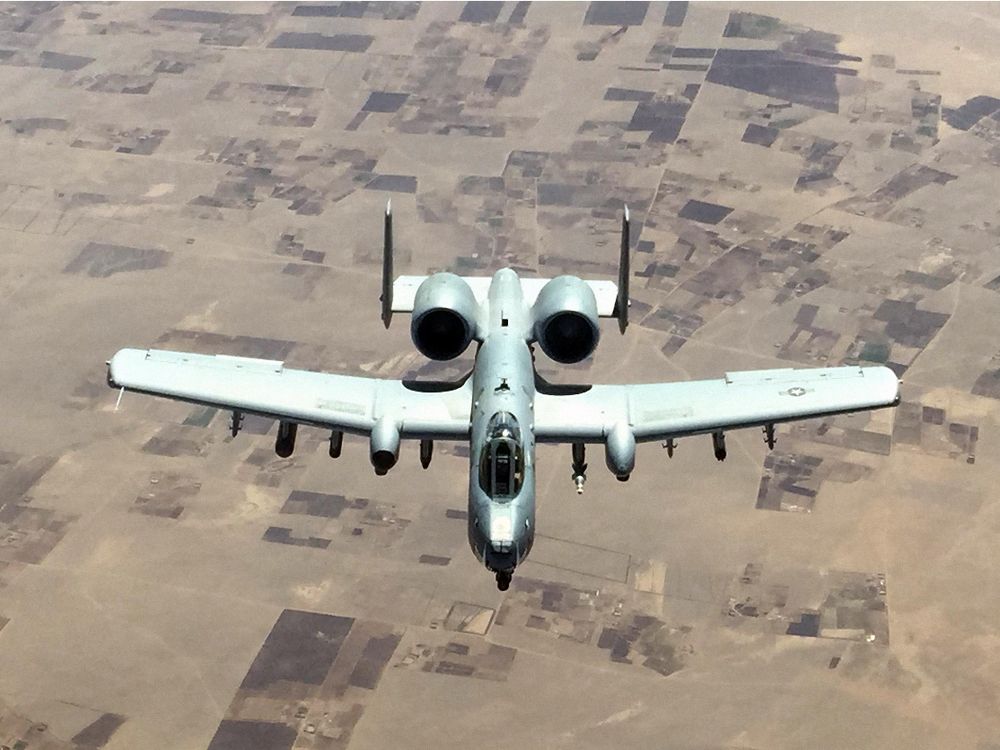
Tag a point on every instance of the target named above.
point(387, 267)
point(621, 304)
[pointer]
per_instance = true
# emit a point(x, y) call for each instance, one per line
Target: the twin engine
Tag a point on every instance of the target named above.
point(443, 321)
point(564, 318)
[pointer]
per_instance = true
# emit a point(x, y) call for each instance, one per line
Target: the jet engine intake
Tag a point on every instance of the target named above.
point(443, 322)
point(619, 451)
point(565, 320)
point(384, 447)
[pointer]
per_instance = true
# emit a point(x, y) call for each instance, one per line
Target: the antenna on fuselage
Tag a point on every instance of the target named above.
point(621, 304)
point(387, 267)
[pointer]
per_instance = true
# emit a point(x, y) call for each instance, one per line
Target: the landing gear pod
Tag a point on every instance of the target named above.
point(384, 447)
point(619, 451)
point(719, 445)
point(284, 444)
point(336, 443)
point(426, 452)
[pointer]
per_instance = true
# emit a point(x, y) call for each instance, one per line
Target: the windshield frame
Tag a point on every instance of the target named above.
point(502, 451)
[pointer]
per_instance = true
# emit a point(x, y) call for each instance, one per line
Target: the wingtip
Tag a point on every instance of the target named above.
point(891, 380)
point(109, 375)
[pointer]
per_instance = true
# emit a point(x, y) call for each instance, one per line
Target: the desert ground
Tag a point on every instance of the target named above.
point(811, 184)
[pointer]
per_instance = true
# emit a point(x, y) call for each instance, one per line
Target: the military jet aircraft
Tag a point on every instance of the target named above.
point(505, 408)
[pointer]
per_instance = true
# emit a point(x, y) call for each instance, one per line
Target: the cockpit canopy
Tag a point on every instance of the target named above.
point(501, 464)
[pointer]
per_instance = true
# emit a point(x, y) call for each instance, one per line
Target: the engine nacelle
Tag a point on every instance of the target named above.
point(443, 322)
point(384, 447)
point(565, 320)
point(619, 451)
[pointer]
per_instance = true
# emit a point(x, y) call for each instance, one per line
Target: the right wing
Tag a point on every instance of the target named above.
point(663, 411)
point(269, 389)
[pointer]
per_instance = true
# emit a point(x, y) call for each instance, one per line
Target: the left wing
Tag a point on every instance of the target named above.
point(268, 388)
point(662, 411)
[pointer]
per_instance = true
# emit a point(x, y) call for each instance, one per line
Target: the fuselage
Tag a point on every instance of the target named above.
point(502, 445)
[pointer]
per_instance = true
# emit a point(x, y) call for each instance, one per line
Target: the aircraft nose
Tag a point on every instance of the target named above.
point(497, 560)
point(501, 533)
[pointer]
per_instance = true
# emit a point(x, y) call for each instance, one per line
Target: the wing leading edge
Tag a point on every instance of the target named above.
point(268, 388)
point(661, 411)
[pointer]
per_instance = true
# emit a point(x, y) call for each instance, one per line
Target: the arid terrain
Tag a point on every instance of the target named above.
point(810, 185)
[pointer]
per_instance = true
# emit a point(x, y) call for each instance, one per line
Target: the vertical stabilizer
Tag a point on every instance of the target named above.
point(621, 304)
point(387, 267)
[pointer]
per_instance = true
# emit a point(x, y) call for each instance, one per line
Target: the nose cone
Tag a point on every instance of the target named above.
point(500, 536)
point(501, 531)
point(501, 555)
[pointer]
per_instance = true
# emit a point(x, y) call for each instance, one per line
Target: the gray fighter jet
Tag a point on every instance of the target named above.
point(505, 407)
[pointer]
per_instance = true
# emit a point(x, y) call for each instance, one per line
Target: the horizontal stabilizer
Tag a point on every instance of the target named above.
point(404, 291)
